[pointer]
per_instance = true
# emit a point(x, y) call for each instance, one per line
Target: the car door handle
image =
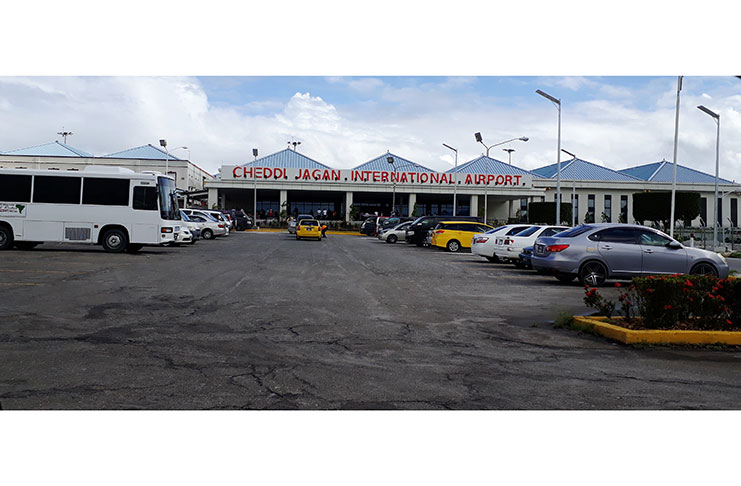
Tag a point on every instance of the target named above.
point(606, 247)
point(648, 250)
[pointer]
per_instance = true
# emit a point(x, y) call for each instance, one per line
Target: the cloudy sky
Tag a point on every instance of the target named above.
point(344, 121)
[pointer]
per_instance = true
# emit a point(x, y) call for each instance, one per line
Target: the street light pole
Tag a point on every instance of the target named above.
point(390, 160)
point(716, 117)
point(254, 189)
point(455, 179)
point(674, 176)
point(573, 191)
point(163, 143)
point(480, 139)
point(556, 102)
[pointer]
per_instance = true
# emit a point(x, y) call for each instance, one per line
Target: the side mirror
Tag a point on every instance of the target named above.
point(675, 245)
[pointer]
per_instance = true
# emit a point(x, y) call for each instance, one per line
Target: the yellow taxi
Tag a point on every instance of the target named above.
point(454, 235)
point(308, 228)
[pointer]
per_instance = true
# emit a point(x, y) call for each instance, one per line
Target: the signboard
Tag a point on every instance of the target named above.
point(10, 209)
point(440, 179)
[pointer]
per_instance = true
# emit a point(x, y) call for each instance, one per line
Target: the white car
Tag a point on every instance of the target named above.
point(185, 236)
point(396, 233)
point(210, 228)
point(212, 215)
point(483, 244)
point(509, 247)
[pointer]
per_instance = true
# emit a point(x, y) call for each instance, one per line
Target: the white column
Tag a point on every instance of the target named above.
point(474, 205)
point(213, 197)
point(283, 199)
point(348, 203)
point(412, 202)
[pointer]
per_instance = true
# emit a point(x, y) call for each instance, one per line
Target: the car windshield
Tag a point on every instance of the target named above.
point(495, 230)
point(184, 216)
point(581, 229)
point(168, 200)
point(528, 231)
point(307, 222)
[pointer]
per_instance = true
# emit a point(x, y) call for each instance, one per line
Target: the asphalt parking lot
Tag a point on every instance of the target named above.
point(262, 321)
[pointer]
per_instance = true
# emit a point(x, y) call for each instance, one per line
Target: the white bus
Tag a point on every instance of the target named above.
point(110, 206)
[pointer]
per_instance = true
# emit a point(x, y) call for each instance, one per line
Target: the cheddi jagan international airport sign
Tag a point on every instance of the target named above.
point(339, 176)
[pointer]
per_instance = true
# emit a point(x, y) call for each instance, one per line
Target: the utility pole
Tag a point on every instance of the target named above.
point(64, 135)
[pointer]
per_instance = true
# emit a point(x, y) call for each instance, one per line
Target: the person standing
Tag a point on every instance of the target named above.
point(324, 230)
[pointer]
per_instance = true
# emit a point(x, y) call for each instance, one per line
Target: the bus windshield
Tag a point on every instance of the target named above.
point(168, 201)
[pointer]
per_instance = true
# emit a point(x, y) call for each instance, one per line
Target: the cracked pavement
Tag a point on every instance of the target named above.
point(262, 321)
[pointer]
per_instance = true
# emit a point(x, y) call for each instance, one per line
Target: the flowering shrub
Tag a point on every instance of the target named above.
point(676, 302)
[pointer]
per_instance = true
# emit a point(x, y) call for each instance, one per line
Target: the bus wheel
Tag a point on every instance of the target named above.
point(6, 238)
point(114, 241)
point(133, 248)
point(25, 245)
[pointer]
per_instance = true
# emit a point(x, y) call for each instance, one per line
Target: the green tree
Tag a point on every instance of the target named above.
point(656, 207)
point(545, 212)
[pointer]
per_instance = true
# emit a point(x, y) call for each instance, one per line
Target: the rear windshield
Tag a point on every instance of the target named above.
point(528, 231)
point(309, 222)
point(581, 229)
point(516, 230)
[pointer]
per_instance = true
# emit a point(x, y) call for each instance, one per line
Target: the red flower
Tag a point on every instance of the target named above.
point(617, 284)
point(729, 322)
point(715, 289)
point(721, 298)
point(667, 307)
point(650, 291)
point(688, 283)
point(710, 295)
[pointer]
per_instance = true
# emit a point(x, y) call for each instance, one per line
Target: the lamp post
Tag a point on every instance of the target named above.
point(390, 159)
point(163, 143)
point(716, 117)
point(254, 188)
point(556, 102)
point(509, 154)
point(573, 192)
point(480, 139)
point(185, 194)
point(674, 175)
point(455, 179)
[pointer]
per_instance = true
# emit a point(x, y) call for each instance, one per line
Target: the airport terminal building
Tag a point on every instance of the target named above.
point(299, 184)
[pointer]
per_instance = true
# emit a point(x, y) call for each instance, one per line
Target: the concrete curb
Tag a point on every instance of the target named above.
point(630, 336)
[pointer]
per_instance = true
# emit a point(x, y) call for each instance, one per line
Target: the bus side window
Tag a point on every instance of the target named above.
point(15, 188)
point(145, 198)
point(56, 190)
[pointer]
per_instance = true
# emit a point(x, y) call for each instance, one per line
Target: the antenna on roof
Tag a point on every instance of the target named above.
point(295, 144)
point(64, 134)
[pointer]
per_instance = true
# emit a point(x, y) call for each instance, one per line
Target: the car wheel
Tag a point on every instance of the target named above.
point(391, 239)
point(208, 234)
point(115, 241)
point(493, 259)
point(25, 245)
point(593, 273)
point(565, 278)
point(133, 248)
point(704, 269)
point(6, 238)
point(453, 246)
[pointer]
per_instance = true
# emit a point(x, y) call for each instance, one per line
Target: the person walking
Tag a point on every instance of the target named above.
point(324, 231)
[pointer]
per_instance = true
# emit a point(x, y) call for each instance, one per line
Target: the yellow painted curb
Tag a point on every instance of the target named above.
point(630, 336)
point(283, 230)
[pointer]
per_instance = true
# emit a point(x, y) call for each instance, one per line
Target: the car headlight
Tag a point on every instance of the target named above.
point(722, 258)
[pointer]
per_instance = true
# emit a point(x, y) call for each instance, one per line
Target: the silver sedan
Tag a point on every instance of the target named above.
point(596, 252)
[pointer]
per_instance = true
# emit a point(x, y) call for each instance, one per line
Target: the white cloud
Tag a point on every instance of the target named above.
point(112, 114)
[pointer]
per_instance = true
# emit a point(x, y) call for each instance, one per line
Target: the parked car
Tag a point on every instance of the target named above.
point(240, 220)
point(508, 247)
point(455, 235)
point(185, 236)
point(393, 221)
point(483, 244)
point(209, 227)
point(597, 252)
point(195, 230)
point(526, 257)
point(369, 226)
point(417, 231)
point(293, 222)
point(309, 228)
point(221, 217)
point(392, 235)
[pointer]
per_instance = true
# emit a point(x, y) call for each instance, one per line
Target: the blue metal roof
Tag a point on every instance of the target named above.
point(287, 159)
point(664, 172)
point(578, 169)
point(145, 152)
point(479, 166)
point(380, 163)
point(52, 149)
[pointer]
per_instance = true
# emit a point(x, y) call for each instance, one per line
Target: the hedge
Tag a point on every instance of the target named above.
point(676, 302)
point(656, 206)
point(545, 212)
